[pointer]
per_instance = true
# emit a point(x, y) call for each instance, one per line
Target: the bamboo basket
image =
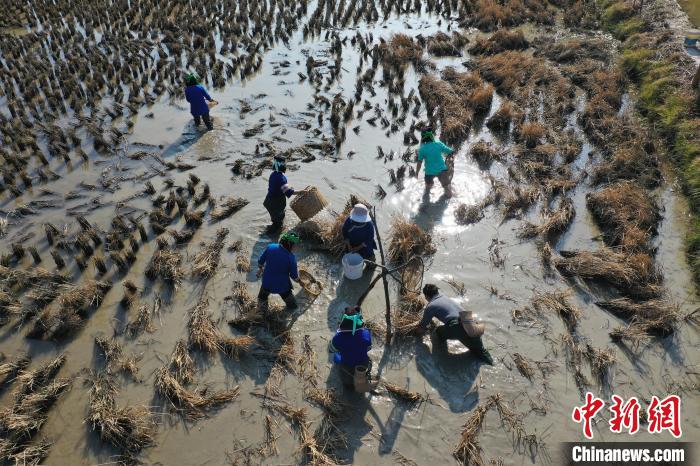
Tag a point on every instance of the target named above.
point(308, 203)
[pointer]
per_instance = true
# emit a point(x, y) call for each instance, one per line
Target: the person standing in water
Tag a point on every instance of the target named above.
point(430, 151)
point(458, 324)
point(350, 345)
point(278, 267)
point(197, 96)
point(358, 232)
point(277, 193)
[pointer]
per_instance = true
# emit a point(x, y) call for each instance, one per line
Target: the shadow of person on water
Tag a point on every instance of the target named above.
point(451, 374)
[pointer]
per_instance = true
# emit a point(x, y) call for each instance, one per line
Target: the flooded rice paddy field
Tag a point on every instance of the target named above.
point(340, 90)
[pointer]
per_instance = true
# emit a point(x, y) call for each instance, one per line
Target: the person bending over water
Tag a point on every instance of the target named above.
point(277, 193)
point(458, 324)
point(350, 344)
point(197, 96)
point(278, 267)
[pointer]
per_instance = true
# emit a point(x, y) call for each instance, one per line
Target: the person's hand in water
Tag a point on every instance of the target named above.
point(258, 274)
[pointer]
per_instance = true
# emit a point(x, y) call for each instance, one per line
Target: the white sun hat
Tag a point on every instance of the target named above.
point(360, 214)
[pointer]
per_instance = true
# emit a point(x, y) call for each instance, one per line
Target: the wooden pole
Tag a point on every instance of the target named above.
point(389, 332)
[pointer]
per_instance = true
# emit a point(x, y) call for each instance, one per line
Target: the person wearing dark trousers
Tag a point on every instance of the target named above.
point(431, 153)
point(350, 345)
point(278, 267)
point(278, 190)
point(458, 324)
point(358, 233)
point(197, 96)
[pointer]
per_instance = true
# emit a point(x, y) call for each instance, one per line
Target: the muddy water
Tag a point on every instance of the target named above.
point(692, 8)
point(453, 382)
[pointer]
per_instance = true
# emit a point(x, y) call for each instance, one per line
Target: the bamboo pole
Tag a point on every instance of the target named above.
point(373, 215)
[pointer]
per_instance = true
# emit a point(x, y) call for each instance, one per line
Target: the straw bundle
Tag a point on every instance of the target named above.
point(229, 207)
point(407, 239)
point(129, 429)
point(193, 404)
point(207, 259)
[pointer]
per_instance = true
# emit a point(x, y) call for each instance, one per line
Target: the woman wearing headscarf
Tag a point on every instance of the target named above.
point(278, 190)
point(350, 344)
point(430, 151)
point(197, 96)
point(358, 232)
point(278, 267)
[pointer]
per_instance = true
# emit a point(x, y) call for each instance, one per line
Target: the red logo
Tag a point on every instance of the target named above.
point(662, 415)
point(624, 415)
point(665, 415)
point(587, 412)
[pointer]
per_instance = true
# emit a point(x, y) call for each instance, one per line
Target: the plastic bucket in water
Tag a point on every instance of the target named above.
point(353, 264)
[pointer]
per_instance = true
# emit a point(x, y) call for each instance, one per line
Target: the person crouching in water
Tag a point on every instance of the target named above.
point(277, 193)
point(278, 267)
point(358, 232)
point(350, 344)
point(458, 323)
point(430, 151)
point(197, 96)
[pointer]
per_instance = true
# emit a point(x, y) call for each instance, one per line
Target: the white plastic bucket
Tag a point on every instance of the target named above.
point(353, 264)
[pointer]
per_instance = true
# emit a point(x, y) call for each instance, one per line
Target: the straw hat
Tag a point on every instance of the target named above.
point(360, 213)
point(470, 325)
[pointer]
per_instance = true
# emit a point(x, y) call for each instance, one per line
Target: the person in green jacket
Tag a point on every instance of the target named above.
point(431, 151)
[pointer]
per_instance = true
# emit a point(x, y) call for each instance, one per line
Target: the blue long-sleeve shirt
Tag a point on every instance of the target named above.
point(358, 233)
point(431, 153)
point(197, 97)
point(277, 185)
point(351, 349)
point(280, 265)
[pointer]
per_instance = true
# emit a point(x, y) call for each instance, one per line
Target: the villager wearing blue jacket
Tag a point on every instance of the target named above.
point(358, 232)
point(277, 193)
point(197, 96)
point(278, 267)
point(350, 344)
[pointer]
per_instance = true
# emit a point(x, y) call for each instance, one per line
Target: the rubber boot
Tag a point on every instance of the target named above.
point(291, 302)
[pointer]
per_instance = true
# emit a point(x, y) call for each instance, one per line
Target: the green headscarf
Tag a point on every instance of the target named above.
point(290, 236)
point(356, 319)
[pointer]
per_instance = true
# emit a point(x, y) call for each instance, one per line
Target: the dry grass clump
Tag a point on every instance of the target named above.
point(10, 369)
point(228, 207)
point(31, 455)
point(129, 429)
point(38, 391)
point(511, 69)
point(403, 394)
point(633, 273)
point(468, 214)
point(530, 133)
point(203, 332)
point(629, 162)
point(442, 45)
point(557, 302)
point(524, 365)
point(517, 200)
point(500, 121)
point(555, 223)
point(236, 346)
point(142, 322)
point(193, 404)
point(574, 50)
point(485, 153)
point(657, 317)
point(115, 359)
point(181, 363)
point(207, 259)
point(601, 361)
point(166, 264)
point(500, 41)
point(468, 450)
point(626, 214)
point(455, 99)
point(75, 301)
point(400, 49)
point(487, 15)
point(407, 239)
